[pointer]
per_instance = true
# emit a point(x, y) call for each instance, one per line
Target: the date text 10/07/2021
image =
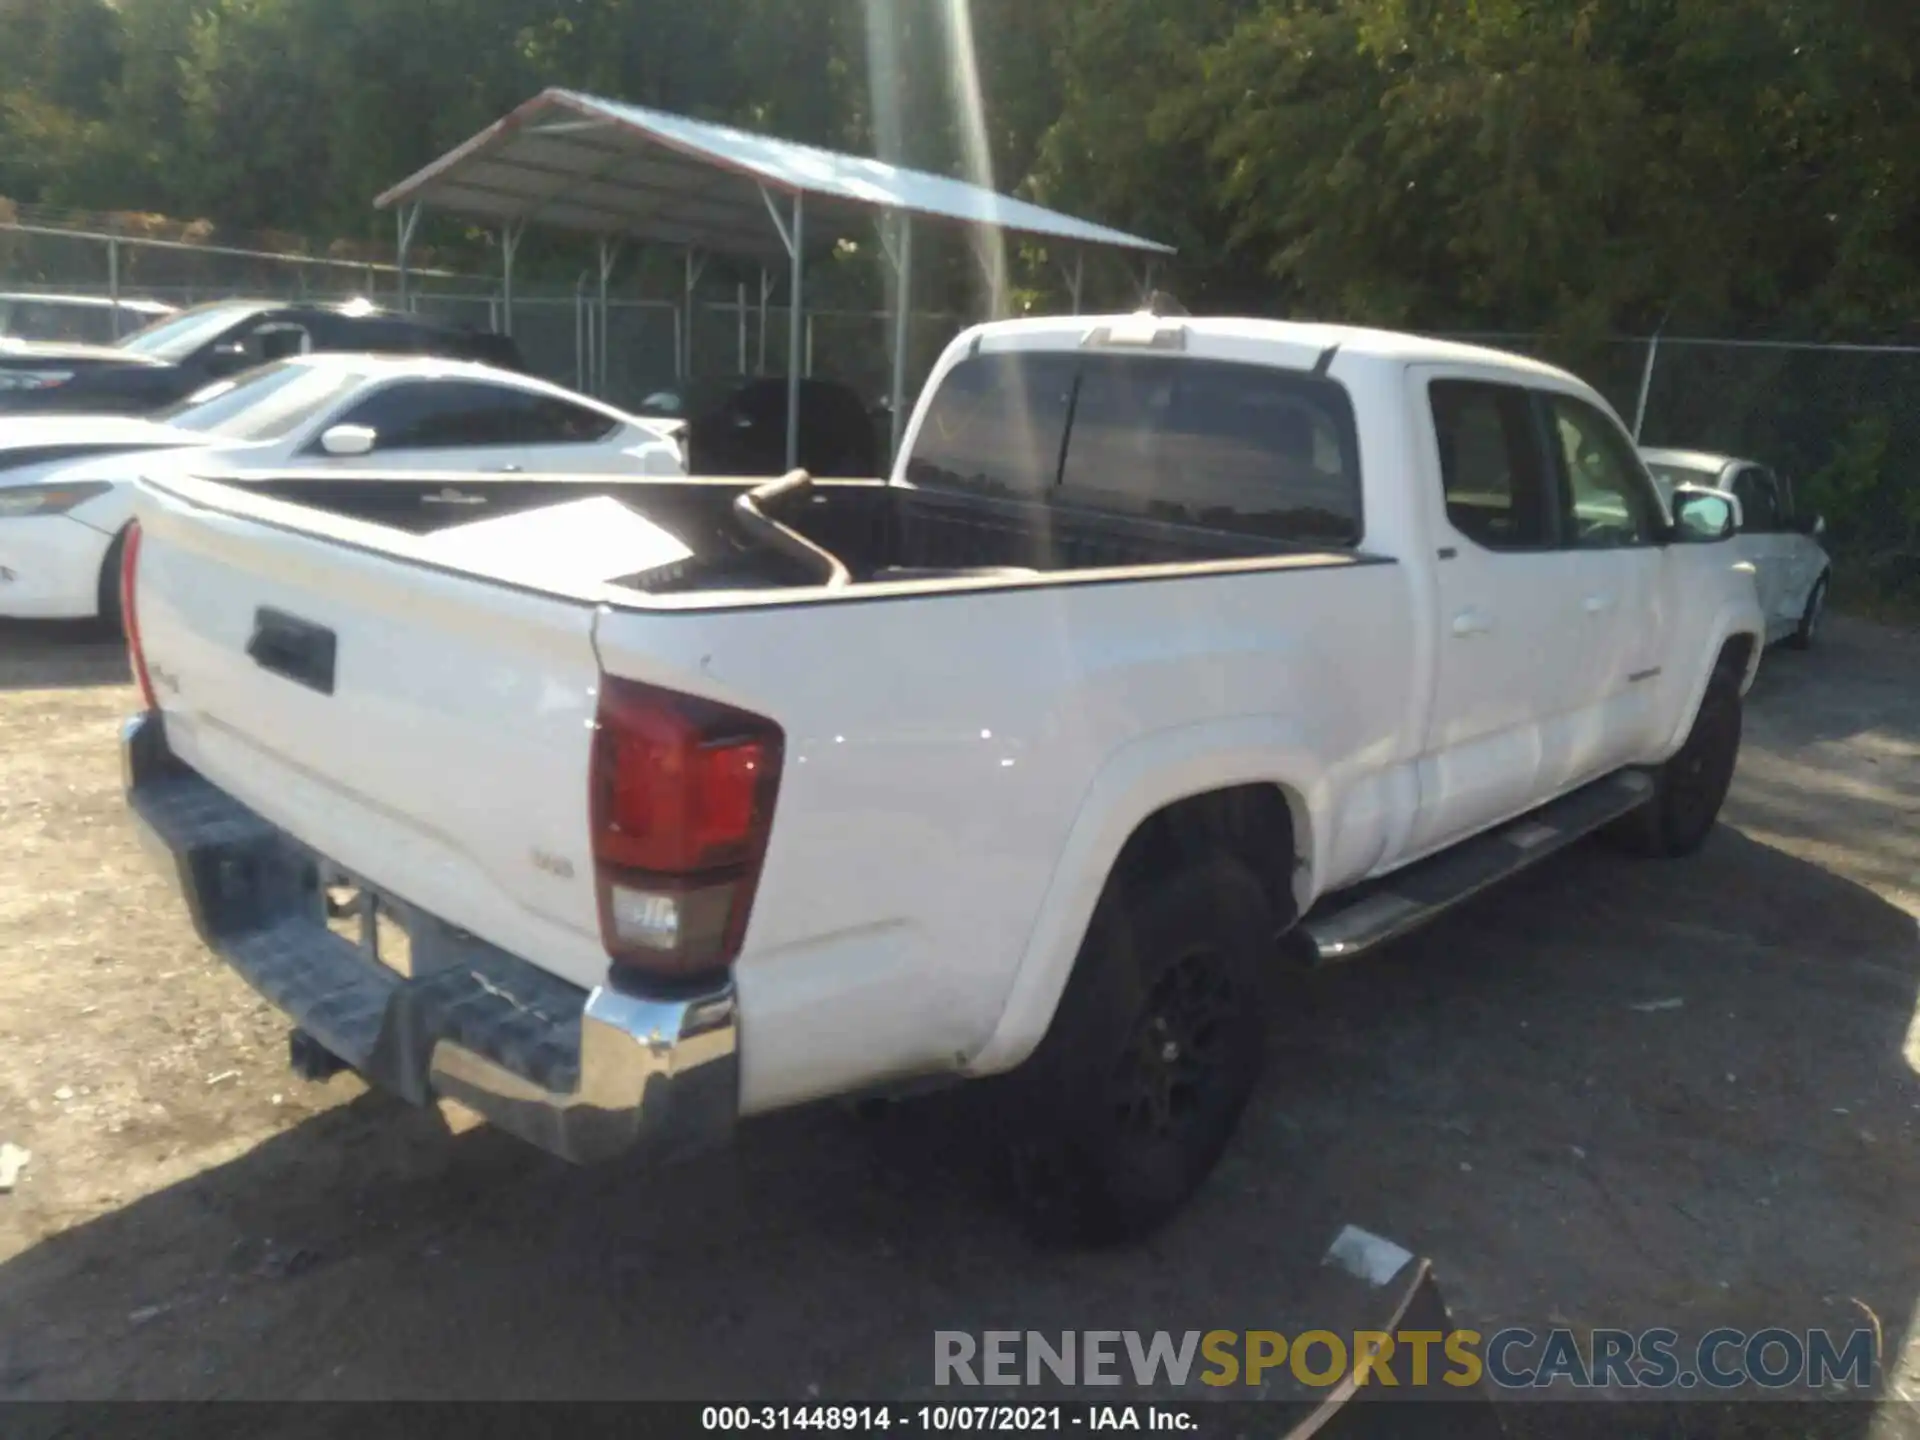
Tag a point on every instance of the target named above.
point(1035, 1419)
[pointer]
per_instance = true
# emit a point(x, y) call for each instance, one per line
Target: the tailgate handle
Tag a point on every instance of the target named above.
point(294, 648)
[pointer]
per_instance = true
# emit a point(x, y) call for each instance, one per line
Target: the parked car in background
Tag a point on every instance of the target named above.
point(737, 425)
point(89, 319)
point(65, 480)
point(181, 354)
point(1790, 565)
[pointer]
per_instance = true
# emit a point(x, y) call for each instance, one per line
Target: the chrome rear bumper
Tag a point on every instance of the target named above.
point(584, 1075)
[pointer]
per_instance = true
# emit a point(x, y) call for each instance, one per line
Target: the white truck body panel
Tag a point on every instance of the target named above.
point(964, 761)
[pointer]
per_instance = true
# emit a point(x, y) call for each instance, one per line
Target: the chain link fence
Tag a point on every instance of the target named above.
point(179, 272)
point(1842, 420)
point(638, 347)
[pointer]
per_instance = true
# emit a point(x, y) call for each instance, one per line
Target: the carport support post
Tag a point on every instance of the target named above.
point(582, 338)
point(509, 245)
point(740, 317)
point(406, 220)
point(902, 321)
point(1646, 386)
point(797, 246)
point(113, 282)
point(609, 254)
point(696, 262)
point(766, 294)
point(793, 234)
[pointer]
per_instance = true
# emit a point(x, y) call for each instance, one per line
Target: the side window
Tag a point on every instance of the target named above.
point(426, 414)
point(1759, 500)
point(434, 414)
point(996, 425)
point(1238, 447)
point(1606, 494)
point(276, 339)
point(1491, 467)
point(550, 420)
point(44, 320)
point(1789, 514)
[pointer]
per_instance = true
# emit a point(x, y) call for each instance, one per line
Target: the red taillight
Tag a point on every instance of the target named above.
point(130, 617)
point(681, 798)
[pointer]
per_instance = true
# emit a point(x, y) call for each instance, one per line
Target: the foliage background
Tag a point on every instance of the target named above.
point(1577, 169)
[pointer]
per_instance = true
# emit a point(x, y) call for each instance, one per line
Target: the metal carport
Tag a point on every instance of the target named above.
point(621, 172)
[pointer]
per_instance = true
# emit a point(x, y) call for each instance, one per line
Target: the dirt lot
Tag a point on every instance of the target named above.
point(1618, 1093)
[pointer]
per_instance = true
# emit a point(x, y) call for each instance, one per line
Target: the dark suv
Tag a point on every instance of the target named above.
point(737, 425)
point(174, 357)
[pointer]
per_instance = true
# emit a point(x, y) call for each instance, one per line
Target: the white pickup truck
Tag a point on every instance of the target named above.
point(1171, 648)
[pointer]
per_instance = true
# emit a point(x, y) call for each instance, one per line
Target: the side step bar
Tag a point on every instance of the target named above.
point(1409, 898)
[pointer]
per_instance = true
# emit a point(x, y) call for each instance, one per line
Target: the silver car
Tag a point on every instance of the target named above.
point(1790, 566)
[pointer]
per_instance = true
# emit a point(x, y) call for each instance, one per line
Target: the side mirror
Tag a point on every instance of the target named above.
point(1817, 526)
point(1702, 516)
point(349, 440)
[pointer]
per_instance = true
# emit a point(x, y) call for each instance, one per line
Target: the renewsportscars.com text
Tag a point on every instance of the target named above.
point(1511, 1359)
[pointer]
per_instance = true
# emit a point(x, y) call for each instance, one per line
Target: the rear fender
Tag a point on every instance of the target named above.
point(1141, 779)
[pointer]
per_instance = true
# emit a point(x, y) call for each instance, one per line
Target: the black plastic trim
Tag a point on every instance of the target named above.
point(1290, 560)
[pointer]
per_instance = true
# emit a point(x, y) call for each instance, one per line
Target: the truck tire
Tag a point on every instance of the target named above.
point(1691, 787)
point(1131, 1098)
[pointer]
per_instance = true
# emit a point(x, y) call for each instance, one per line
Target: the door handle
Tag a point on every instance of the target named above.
point(1598, 604)
point(1472, 622)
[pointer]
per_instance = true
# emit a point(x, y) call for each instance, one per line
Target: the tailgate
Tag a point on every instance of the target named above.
point(426, 729)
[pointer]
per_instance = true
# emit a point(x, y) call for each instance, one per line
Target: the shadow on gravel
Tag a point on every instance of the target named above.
point(1858, 677)
point(60, 655)
point(1614, 1094)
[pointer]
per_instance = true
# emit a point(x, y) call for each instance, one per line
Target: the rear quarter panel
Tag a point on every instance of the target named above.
point(961, 771)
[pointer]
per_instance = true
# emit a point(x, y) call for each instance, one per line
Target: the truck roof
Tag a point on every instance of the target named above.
point(1389, 345)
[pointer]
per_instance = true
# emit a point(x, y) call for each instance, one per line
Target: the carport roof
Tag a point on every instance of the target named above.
point(583, 163)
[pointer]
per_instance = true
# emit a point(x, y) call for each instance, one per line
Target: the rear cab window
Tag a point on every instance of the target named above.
point(1249, 449)
point(997, 425)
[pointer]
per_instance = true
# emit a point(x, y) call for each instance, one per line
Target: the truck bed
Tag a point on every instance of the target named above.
point(882, 533)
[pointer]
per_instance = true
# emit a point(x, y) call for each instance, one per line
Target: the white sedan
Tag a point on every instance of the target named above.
point(66, 480)
point(1790, 566)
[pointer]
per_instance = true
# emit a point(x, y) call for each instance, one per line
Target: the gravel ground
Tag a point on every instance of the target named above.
point(1616, 1093)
